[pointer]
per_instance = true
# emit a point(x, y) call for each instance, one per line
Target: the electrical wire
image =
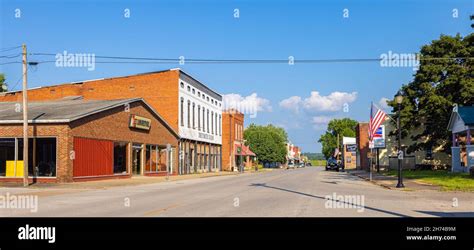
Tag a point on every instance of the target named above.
point(5, 63)
point(11, 56)
point(144, 60)
point(8, 49)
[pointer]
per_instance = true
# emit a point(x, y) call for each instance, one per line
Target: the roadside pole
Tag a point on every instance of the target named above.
point(378, 161)
point(25, 119)
point(168, 160)
point(371, 146)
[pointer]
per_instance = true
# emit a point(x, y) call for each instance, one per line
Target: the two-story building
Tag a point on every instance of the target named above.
point(235, 153)
point(192, 109)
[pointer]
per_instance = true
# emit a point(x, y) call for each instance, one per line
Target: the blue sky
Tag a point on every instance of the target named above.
point(264, 30)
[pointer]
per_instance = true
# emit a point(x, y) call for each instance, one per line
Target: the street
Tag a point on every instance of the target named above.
point(280, 193)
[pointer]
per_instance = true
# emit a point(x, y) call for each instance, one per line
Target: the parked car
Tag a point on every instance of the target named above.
point(308, 164)
point(333, 164)
point(291, 165)
point(301, 165)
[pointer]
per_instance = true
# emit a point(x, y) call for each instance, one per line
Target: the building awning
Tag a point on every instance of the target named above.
point(241, 149)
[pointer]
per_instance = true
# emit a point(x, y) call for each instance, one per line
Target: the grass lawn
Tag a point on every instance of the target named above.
point(320, 163)
point(446, 180)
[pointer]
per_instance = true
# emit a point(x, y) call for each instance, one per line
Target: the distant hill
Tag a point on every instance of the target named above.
point(314, 156)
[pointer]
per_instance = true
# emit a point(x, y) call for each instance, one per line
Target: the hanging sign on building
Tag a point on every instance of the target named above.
point(139, 122)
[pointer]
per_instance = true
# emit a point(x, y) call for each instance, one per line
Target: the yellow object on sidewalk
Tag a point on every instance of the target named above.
point(11, 169)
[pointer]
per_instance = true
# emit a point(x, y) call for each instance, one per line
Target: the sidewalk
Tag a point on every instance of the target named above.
point(390, 182)
point(135, 180)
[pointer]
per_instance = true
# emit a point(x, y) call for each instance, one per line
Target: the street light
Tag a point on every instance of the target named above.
point(399, 99)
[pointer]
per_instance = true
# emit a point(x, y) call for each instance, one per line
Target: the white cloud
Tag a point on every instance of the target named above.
point(331, 102)
point(292, 103)
point(383, 104)
point(250, 104)
point(317, 102)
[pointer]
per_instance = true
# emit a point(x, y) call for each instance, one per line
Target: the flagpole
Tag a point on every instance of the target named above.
point(371, 148)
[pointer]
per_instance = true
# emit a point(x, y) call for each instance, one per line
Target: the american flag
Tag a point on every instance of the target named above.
point(377, 116)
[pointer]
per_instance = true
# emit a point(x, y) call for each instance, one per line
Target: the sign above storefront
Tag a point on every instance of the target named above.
point(206, 136)
point(139, 122)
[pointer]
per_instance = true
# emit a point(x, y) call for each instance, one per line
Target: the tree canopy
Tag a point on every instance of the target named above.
point(3, 85)
point(445, 78)
point(267, 142)
point(343, 127)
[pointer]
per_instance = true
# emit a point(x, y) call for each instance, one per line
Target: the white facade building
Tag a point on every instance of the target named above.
point(200, 126)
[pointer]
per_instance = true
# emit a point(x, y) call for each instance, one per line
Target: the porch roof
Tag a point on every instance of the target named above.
point(462, 119)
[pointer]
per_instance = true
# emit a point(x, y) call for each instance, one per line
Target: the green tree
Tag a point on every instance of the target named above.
point(445, 78)
point(343, 127)
point(3, 85)
point(267, 142)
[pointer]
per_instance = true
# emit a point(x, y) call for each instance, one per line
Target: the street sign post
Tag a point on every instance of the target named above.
point(168, 160)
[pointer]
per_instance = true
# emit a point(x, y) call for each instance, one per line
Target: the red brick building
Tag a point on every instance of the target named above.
point(191, 109)
point(362, 141)
point(75, 139)
point(234, 152)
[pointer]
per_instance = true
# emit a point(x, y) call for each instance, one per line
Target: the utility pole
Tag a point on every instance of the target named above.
point(25, 119)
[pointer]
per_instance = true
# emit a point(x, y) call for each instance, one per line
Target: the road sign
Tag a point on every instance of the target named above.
point(379, 137)
point(371, 144)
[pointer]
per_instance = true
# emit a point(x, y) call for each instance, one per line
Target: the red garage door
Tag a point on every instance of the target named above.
point(93, 157)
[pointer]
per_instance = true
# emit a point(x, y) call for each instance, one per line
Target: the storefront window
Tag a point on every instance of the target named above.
point(41, 155)
point(155, 158)
point(120, 156)
point(7, 154)
point(162, 160)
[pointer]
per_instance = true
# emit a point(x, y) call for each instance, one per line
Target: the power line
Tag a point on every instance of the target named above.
point(5, 63)
point(144, 60)
point(16, 84)
point(10, 48)
point(11, 56)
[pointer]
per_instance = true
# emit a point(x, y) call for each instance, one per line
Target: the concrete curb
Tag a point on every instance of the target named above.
point(374, 182)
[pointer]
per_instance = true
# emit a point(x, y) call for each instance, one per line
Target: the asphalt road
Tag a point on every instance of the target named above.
point(307, 192)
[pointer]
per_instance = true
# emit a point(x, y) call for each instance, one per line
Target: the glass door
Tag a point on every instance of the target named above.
point(136, 159)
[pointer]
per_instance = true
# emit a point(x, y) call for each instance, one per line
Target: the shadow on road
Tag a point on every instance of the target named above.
point(448, 214)
point(330, 182)
point(324, 198)
point(343, 177)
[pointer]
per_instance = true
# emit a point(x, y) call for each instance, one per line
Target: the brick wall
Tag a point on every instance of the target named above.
point(60, 131)
point(229, 120)
point(160, 90)
point(113, 125)
point(362, 140)
point(44, 93)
